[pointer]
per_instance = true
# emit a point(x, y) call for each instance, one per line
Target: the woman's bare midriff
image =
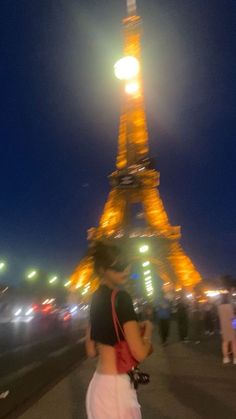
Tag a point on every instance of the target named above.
point(106, 359)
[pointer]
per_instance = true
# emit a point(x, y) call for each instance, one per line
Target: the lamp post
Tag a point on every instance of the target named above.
point(32, 274)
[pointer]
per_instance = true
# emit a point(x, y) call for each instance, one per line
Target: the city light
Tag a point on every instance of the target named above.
point(74, 309)
point(147, 272)
point(148, 282)
point(148, 277)
point(212, 293)
point(131, 88)
point(144, 248)
point(126, 68)
point(86, 289)
point(18, 312)
point(67, 284)
point(32, 274)
point(54, 279)
point(147, 263)
point(2, 265)
point(28, 312)
point(46, 301)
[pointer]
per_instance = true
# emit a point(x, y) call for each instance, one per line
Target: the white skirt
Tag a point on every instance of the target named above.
point(113, 397)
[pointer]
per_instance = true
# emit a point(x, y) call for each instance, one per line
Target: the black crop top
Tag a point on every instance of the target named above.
point(102, 328)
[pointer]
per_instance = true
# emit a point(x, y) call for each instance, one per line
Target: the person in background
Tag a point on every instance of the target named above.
point(226, 316)
point(209, 319)
point(196, 322)
point(182, 319)
point(164, 317)
point(111, 394)
point(148, 313)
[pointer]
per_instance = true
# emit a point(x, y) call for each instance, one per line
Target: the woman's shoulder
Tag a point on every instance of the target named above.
point(124, 296)
point(101, 294)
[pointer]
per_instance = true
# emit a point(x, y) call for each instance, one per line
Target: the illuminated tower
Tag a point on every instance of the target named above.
point(136, 181)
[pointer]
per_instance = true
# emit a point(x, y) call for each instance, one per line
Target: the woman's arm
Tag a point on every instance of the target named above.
point(90, 344)
point(140, 347)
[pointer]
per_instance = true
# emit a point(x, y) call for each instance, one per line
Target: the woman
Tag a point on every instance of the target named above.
point(110, 394)
point(226, 315)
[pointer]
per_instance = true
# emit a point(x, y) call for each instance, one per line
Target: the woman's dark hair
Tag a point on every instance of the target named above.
point(104, 255)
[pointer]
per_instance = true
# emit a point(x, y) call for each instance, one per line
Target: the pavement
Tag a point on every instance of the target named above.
point(188, 381)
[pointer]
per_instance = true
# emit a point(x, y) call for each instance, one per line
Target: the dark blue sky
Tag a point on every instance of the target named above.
point(59, 122)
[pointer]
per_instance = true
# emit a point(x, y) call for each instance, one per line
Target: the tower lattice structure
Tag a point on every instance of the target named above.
point(136, 181)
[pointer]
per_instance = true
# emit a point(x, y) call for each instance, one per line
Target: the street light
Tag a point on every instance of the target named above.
point(148, 282)
point(67, 284)
point(54, 279)
point(147, 272)
point(147, 263)
point(2, 265)
point(144, 248)
point(32, 274)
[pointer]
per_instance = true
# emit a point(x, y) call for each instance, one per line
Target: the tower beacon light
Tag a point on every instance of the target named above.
point(127, 68)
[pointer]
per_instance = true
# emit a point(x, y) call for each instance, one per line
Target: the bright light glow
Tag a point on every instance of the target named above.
point(28, 312)
point(126, 68)
point(212, 293)
point(146, 263)
point(67, 284)
point(147, 272)
point(53, 280)
point(67, 317)
point(189, 295)
point(148, 282)
point(32, 274)
point(86, 289)
point(131, 88)
point(144, 248)
point(18, 312)
point(148, 277)
point(74, 309)
point(46, 301)
point(2, 265)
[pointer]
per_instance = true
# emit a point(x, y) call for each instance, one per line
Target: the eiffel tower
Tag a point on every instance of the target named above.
point(136, 181)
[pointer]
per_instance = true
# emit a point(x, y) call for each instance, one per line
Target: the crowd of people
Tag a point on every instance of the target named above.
point(196, 319)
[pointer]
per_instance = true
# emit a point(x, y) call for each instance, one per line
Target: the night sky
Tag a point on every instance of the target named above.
point(60, 115)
